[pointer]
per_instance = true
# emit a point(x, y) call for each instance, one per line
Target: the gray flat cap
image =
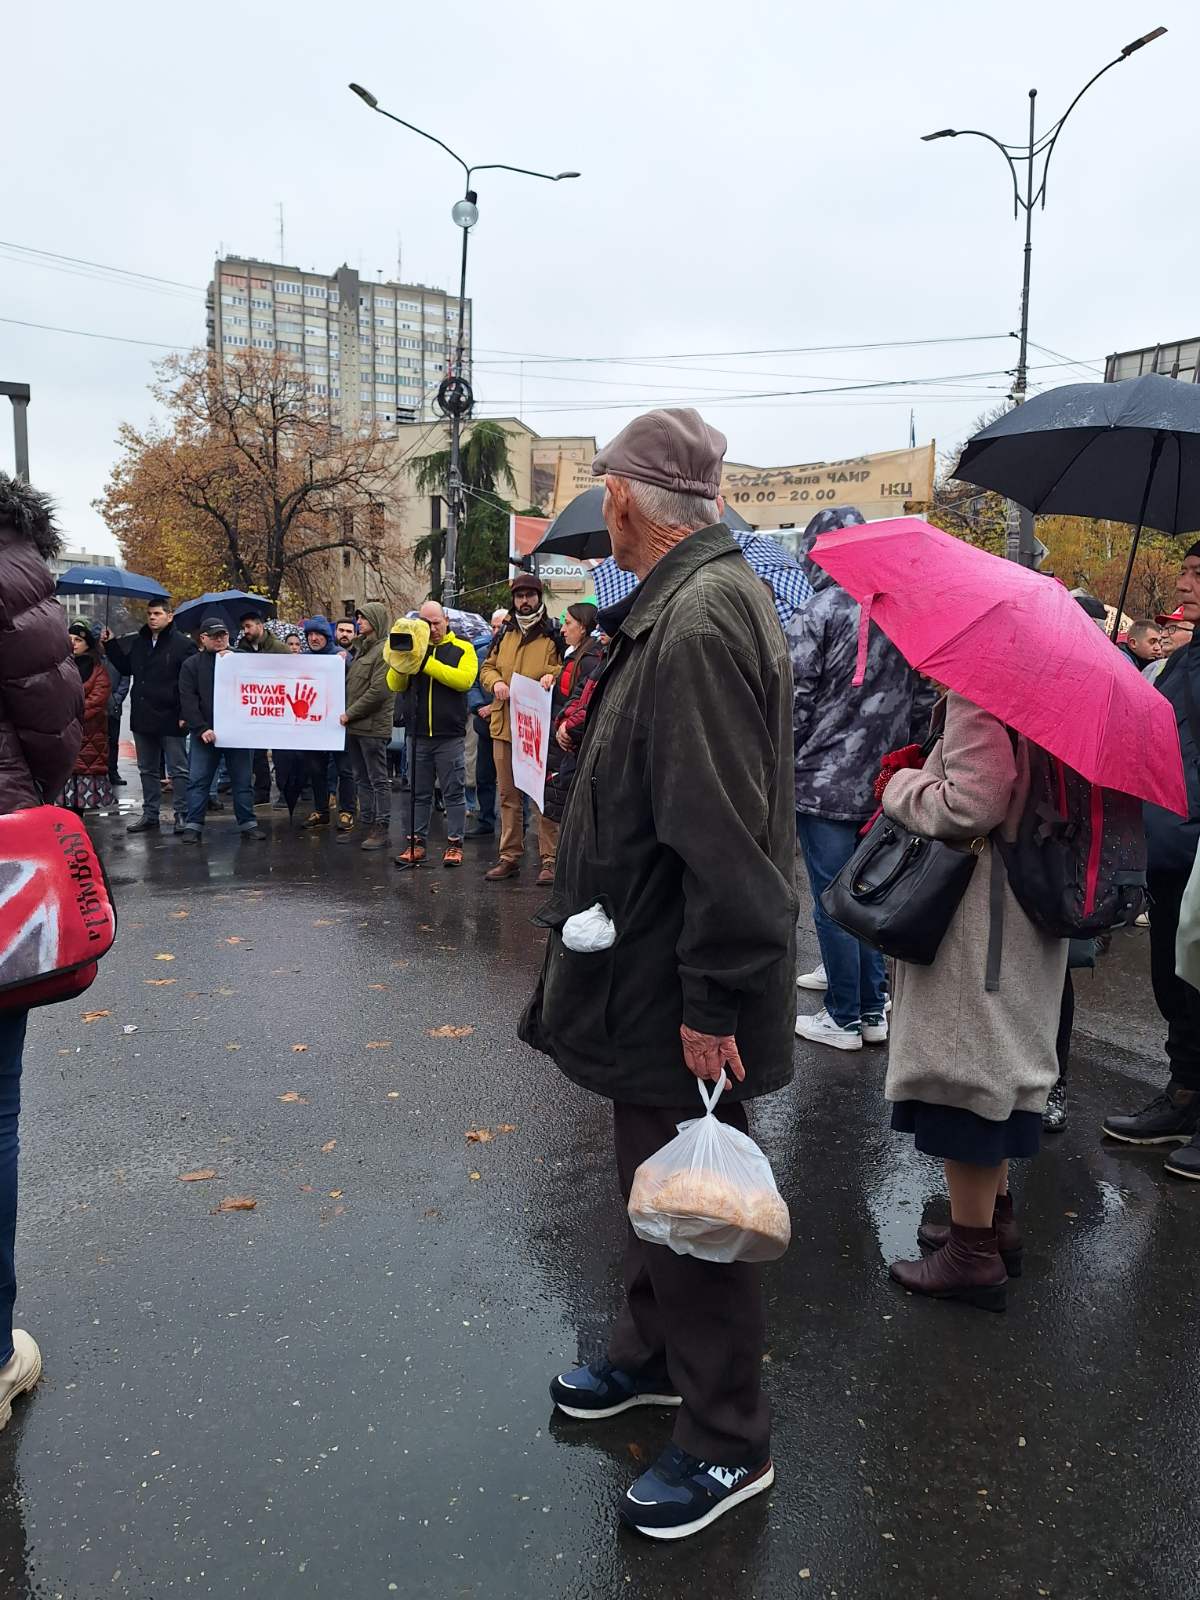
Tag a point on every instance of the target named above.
point(675, 449)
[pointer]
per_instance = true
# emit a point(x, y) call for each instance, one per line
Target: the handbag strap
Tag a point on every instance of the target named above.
point(1189, 697)
point(995, 947)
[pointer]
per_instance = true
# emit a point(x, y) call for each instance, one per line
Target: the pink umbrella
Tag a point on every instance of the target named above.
point(1015, 643)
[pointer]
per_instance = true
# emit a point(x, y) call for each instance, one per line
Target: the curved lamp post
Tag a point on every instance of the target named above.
point(454, 396)
point(1021, 542)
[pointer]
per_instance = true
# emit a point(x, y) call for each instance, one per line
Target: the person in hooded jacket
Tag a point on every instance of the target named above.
point(367, 720)
point(41, 703)
point(153, 657)
point(330, 770)
point(88, 786)
point(1173, 1117)
point(842, 734)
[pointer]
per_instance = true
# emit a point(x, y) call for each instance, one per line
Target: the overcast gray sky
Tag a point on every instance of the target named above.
point(752, 179)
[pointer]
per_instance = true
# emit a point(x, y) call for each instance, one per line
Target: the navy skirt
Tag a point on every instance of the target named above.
point(953, 1134)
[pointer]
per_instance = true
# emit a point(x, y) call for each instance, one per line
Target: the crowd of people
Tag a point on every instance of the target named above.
point(696, 748)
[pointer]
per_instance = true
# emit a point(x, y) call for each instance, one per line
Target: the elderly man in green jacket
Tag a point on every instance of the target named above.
point(367, 720)
point(680, 822)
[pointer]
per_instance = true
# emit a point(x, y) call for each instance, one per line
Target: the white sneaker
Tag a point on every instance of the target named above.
point(1142, 920)
point(815, 979)
point(875, 1028)
point(19, 1374)
point(822, 1029)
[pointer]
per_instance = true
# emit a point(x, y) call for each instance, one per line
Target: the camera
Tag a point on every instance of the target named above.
point(401, 642)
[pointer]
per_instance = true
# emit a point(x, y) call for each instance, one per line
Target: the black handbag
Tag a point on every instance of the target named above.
point(899, 892)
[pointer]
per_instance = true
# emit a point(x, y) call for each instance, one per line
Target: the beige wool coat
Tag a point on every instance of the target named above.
point(953, 1043)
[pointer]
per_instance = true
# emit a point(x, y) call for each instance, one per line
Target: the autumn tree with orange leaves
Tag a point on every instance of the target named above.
point(246, 485)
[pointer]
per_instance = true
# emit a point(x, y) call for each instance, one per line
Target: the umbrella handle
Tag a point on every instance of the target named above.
point(864, 631)
point(1155, 452)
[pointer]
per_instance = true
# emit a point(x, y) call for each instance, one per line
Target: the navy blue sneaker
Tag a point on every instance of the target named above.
point(602, 1390)
point(680, 1495)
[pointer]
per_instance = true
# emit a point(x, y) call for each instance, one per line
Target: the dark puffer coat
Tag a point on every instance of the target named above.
point(41, 697)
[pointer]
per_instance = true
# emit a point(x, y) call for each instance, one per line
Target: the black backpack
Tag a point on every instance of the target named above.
point(1078, 864)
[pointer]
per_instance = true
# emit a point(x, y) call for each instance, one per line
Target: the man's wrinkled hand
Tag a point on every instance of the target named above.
point(706, 1055)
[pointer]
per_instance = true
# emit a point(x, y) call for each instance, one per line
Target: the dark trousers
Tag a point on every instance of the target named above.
point(331, 773)
point(485, 775)
point(703, 1321)
point(114, 740)
point(1066, 1025)
point(443, 758)
point(855, 974)
point(12, 1042)
point(152, 751)
point(368, 760)
point(1177, 1000)
point(262, 777)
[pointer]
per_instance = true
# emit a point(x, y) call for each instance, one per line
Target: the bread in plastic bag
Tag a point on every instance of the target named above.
point(710, 1193)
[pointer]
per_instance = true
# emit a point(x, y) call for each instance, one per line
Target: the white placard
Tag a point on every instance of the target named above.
point(279, 702)
point(529, 723)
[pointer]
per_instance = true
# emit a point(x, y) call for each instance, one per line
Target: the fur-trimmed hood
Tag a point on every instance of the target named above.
point(27, 513)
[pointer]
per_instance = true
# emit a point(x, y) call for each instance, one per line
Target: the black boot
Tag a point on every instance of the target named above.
point(934, 1236)
point(1171, 1118)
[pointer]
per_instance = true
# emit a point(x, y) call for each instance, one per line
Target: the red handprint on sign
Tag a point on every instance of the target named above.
point(302, 701)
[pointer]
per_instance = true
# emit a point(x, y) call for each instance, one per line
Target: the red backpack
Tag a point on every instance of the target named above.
point(1078, 863)
point(56, 912)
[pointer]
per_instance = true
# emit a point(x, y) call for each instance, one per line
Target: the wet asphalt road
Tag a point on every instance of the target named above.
point(343, 1392)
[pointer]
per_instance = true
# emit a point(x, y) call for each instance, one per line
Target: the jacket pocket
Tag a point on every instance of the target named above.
point(575, 991)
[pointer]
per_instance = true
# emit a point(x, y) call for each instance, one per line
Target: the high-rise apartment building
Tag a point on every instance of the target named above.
point(370, 352)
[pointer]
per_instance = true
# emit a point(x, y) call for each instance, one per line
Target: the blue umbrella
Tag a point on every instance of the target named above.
point(228, 604)
point(109, 581)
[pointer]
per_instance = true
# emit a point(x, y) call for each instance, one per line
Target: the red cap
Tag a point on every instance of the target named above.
point(1172, 616)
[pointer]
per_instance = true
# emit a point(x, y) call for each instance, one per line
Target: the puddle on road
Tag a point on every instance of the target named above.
point(897, 1193)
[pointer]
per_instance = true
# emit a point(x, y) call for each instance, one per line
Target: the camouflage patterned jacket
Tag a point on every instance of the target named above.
point(842, 733)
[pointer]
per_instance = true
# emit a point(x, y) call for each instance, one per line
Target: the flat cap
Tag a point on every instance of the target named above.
point(213, 625)
point(675, 449)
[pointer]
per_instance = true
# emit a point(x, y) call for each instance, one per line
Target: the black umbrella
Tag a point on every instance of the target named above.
point(578, 530)
point(1127, 451)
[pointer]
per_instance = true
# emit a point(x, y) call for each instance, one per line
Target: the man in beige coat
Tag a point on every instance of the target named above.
point(527, 644)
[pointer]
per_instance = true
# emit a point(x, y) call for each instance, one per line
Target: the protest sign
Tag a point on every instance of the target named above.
point(279, 702)
point(529, 712)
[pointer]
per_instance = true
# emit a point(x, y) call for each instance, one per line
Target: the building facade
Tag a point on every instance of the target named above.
point(371, 353)
point(1179, 360)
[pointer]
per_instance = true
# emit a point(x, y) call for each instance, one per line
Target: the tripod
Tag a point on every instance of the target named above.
point(412, 863)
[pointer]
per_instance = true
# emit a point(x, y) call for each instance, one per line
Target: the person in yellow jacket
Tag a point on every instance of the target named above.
point(528, 645)
point(439, 674)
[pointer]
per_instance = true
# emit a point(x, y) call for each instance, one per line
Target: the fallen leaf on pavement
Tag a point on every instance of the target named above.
point(449, 1031)
point(432, 1212)
point(234, 939)
point(400, 965)
point(163, 956)
point(479, 1135)
point(299, 1047)
point(636, 1451)
point(159, 983)
point(377, 986)
point(323, 922)
point(474, 1176)
point(306, 1188)
point(335, 1194)
point(393, 1094)
point(225, 991)
point(179, 915)
point(291, 1098)
point(198, 1177)
point(235, 1202)
point(379, 1044)
point(328, 1146)
point(233, 1047)
point(94, 1016)
point(507, 1127)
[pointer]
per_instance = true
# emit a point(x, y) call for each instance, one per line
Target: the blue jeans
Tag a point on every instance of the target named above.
point(856, 975)
point(203, 762)
point(12, 1040)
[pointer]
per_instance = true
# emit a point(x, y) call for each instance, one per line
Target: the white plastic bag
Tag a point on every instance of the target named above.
point(1187, 939)
point(589, 931)
point(710, 1193)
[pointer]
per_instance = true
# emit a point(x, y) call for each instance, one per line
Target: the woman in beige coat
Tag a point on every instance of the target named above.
point(970, 1068)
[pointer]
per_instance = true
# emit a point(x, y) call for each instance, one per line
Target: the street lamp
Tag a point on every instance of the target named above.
point(455, 397)
point(1021, 544)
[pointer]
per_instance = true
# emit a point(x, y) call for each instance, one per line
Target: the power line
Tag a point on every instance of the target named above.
point(86, 333)
point(704, 355)
point(50, 256)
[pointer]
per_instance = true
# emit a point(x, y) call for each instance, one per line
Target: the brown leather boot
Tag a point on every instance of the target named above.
point(502, 870)
point(968, 1267)
point(933, 1235)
